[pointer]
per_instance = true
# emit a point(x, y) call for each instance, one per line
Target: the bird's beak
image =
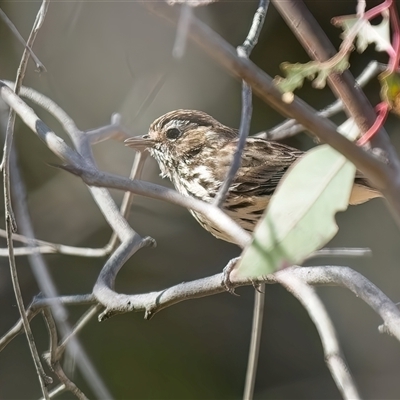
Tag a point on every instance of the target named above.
point(139, 143)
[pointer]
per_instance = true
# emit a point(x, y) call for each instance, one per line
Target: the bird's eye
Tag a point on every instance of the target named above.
point(173, 133)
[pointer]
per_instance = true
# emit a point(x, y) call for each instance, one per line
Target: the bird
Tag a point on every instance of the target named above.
point(195, 152)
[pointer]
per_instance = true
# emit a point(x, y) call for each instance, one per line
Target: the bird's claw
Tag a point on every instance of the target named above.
point(226, 272)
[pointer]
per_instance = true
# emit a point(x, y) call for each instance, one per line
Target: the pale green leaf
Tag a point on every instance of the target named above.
point(367, 33)
point(301, 215)
point(316, 71)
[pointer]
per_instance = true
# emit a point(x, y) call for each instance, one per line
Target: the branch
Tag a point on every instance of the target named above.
point(318, 314)
point(11, 227)
point(290, 127)
point(318, 46)
point(243, 51)
point(53, 357)
point(80, 166)
point(46, 284)
point(154, 302)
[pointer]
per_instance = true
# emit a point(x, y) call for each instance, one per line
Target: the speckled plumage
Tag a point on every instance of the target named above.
point(195, 152)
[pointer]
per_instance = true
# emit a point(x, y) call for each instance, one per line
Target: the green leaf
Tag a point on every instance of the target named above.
point(366, 33)
point(313, 70)
point(301, 215)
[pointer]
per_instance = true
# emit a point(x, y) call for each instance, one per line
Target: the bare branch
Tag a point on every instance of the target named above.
point(318, 314)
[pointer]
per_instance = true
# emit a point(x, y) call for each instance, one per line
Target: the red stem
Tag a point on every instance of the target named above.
point(394, 61)
point(382, 110)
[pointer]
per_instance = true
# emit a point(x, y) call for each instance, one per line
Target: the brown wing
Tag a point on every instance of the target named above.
point(263, 165)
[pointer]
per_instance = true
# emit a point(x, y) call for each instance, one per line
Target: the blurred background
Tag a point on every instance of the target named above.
point(106, 57)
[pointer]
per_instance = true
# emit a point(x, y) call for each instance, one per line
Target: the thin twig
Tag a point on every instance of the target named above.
point(254, 350)
point(244, 129)
point(83, 320)
point(56, 391)
point(53, 356)
point(112, 131)
point(18, 328)
point(341, 252)
point(37, 305)
point(39, 65)
point(52, 248)
point(9, 214)
point(46, 284)
point(68, 383)
point(43, 378)
point(136, 173)
point(244, 51)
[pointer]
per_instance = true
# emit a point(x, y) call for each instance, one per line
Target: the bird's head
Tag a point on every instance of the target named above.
point(180, 136)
